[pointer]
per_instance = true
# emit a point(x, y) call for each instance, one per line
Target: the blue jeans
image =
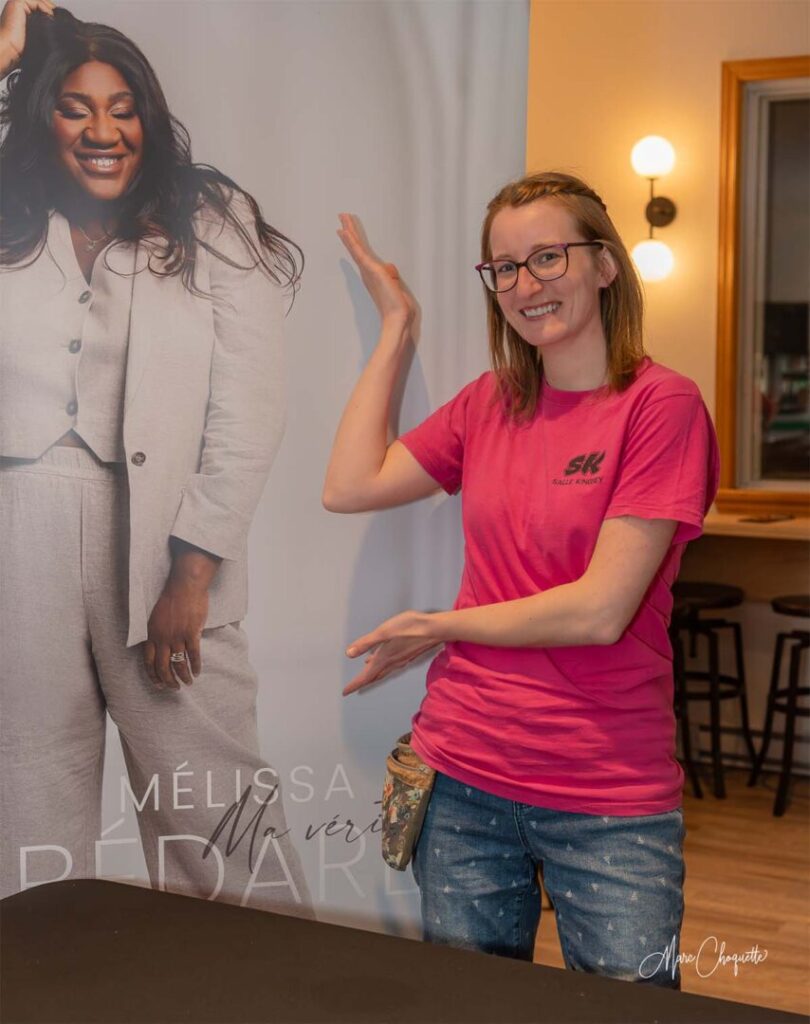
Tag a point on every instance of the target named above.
point(616, 882)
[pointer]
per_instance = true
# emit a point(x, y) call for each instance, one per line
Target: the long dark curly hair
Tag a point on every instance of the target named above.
point(169, 188)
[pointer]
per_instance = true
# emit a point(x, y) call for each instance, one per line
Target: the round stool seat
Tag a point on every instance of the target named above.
point(698, 596)
point(680, 606)
point(796, 604)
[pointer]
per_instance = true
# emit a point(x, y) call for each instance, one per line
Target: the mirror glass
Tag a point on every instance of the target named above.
point(774, 295)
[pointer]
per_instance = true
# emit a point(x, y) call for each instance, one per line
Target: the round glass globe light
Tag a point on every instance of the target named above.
point(652, 157)
point(654, 260)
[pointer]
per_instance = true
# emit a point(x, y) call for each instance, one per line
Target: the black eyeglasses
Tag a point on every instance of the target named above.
point(545, 264)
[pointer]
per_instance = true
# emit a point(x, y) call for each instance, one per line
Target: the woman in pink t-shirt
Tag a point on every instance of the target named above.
point(584, 469)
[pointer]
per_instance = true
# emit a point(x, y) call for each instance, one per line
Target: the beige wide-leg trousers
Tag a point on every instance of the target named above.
point(190, 753)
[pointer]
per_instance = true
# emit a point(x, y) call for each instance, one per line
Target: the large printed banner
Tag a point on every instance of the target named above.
point(411, 115)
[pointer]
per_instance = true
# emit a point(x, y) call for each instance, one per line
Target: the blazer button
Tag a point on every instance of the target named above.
point(71, 408)
point(85, 297)
point(138, 459)
point(75, 345)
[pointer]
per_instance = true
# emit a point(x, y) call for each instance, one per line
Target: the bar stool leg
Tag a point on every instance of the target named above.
point(780, 803)
point(683, 714)
point(693, 620)
point(714, 706)
point(738, 657)
point(768, 728)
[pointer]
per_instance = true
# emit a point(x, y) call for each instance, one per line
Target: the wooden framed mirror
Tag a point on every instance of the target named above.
point(763, 387)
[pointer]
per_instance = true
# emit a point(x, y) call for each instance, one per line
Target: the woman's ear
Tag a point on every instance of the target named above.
point(607, 267)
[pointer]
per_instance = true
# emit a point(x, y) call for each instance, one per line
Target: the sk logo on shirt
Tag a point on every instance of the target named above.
point(582, 469)
point(585, 464)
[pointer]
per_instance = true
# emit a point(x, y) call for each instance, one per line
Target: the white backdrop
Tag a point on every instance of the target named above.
point(411, 114)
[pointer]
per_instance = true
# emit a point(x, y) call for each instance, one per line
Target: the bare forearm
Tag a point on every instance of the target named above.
point(9, 58)
point(362, 436)
point(192, 565)
point(593, 610)
point(570, 615)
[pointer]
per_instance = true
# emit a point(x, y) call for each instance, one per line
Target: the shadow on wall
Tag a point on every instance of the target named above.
point(410, 557)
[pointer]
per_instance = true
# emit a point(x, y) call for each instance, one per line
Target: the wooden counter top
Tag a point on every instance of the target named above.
point(728, 524)
point(753, 556)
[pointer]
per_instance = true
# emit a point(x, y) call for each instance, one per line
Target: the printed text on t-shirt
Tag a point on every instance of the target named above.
point(586, 466)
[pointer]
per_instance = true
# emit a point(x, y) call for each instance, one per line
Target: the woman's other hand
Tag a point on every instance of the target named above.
point(178, 619)
point(398, 641)
point(390, 295)
point(13, 19)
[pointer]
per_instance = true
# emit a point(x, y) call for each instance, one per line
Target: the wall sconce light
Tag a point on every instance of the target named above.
point(651, 158)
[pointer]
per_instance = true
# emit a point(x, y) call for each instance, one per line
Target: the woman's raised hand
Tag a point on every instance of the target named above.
point(390, 294)
point(13, 20)
point(365, 472)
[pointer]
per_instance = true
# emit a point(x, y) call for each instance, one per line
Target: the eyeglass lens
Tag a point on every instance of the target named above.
point(546, 264)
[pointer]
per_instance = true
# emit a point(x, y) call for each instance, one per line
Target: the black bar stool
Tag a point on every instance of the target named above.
point(785, 700)
point(680, 611)
point(691, 599)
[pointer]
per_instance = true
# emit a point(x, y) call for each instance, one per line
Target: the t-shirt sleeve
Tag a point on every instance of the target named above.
point(438, 442)
point(670, 466)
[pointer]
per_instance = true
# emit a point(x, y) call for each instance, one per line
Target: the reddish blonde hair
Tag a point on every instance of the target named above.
point(519, 365)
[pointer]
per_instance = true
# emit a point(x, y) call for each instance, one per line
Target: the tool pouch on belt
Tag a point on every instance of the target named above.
point(407, 789)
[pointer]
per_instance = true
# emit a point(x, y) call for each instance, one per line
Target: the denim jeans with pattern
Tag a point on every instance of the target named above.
point(616, 883)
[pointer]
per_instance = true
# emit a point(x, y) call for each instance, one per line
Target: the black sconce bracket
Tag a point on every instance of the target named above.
point(660, 211)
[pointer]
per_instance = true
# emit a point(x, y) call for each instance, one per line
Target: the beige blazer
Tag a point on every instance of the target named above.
point(203, 408)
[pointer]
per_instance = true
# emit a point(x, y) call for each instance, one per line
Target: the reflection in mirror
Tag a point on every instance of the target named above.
point(763, 398)
point(774, 307)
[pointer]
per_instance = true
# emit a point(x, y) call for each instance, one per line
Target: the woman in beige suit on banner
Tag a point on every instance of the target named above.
point(140, 411)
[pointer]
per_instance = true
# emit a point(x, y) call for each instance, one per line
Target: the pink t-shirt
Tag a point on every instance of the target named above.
point(588, 729)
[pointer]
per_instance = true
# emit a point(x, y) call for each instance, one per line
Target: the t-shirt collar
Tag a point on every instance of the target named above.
point(558, 396)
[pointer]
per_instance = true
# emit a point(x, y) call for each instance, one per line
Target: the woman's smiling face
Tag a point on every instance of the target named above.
point(97, 131)
point(547, 313)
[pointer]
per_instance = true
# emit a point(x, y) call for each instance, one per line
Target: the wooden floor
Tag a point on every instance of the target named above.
point(747, 884)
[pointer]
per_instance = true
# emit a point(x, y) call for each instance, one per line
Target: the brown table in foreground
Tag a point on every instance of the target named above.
point(95, 951)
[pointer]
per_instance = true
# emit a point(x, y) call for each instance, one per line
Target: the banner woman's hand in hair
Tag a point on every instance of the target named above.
point(13, 19)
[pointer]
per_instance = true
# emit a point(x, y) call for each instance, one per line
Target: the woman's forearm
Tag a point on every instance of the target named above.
point(192, 566)
point(362, 436)
point(570, 615)
point(9, 57)
point(595, 609)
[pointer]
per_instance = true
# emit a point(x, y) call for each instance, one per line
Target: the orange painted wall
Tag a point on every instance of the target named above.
point(604, 73)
